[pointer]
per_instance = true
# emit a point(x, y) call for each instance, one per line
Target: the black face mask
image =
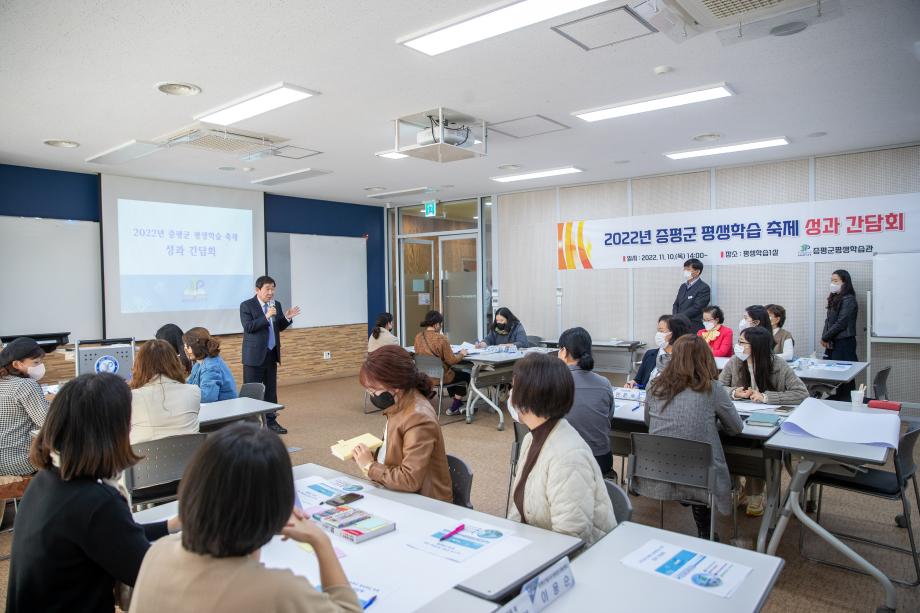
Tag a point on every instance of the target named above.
point(383, 401)
point(501, 330)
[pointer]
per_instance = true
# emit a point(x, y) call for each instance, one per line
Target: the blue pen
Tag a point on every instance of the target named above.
point(370, 601)
point(636, 408)
point(844, 363)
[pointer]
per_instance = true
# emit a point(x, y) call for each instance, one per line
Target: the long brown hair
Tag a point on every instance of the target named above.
point(692, 366)
point(202, 344)
point(394, 367)
point(153, 359)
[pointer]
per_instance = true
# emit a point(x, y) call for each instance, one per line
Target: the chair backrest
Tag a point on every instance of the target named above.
point(671, 460)
point(534, 341)
point(164, 460)
point(253, 390)
point(520, 431)
point(622, 506)
point(904, 459)
point(461, 477)
point(880, 383)
point(430, 365)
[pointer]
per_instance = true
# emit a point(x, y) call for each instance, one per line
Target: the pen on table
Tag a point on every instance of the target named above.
point(636, 408)
point(456, 530)
point(370, 601)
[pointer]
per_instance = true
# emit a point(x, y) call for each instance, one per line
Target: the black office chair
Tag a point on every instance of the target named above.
point(461, 477)
point(256, 391)
point(881, 484)
point(156, 477)
point(880, 383)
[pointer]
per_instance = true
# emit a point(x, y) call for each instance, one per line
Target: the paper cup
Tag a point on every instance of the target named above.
point(856, 397)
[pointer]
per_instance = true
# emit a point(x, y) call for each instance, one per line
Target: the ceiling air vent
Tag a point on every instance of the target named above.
point(720, 13)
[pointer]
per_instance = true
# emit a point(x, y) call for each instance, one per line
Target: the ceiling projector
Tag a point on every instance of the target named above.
point(454, 134)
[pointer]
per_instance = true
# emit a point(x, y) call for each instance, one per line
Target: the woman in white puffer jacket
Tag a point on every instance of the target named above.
point(558, 485)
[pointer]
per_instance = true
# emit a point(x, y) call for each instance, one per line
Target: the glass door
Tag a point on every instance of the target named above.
point(416, 257)
point(459, 287)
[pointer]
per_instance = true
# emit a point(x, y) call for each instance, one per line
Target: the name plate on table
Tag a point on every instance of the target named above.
point(543, 590)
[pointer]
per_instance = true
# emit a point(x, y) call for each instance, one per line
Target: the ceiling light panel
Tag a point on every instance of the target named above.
point(748, 146)
point(539, 174)
point(391, 155)
point(257, 104)
point(710, 92)
point(296, 175)
point(491, 24)
point(131, 150)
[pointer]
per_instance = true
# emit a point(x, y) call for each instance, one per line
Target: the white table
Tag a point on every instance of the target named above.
point(815, 454)
point(603, 583)
point(818, 376)
point(494, 584)
point(611, 356)
point(235, 409)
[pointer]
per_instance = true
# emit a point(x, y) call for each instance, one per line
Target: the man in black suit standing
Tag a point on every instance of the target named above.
point(693, 295)
point(262, 328)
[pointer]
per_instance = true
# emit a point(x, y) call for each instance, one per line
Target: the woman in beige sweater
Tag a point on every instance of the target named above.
point(213, 565)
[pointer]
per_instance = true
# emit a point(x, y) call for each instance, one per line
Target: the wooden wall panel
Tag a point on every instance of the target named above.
point(301, 355)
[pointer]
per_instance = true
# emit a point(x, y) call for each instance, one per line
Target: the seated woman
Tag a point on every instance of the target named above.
point(412, 458)
point(382, 333)
point(214, 564)
point(716, 335)
point(754, 316)
point(756, 374)
point(163, 404)
point(677, 327)
point(686, 402)
point(506, 331)
point(75, 537)
point(558, 485)
point(431, 341)
point(209, 371)
point(650, 356)
point(23, 407)
point(593, 403)
point(172, 334)
point(784, 344)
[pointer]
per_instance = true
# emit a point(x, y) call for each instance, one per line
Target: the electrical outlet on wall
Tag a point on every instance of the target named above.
point(327, 355)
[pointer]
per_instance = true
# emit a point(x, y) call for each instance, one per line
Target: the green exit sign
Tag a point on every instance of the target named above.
point(431, 208)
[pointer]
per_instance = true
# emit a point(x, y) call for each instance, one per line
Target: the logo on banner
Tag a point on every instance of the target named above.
point(574, 251)
point(805, 250)
point(107, 363)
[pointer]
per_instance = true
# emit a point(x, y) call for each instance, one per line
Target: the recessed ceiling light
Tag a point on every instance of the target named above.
point(554, 172)
point(509, 167)
point(711, 92)
point(247, 168)
point(256, 104)
point(374, 189)
point(63, 144)
point(228, 168)
point(179, 89)
point(707, 137)
point(788, 29)
point(391, 155)
point(817, 134)
point(757, 144)
point(662, 70)
point(493, 23)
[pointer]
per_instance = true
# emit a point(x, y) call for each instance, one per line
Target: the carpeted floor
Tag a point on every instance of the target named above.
point(318, 414)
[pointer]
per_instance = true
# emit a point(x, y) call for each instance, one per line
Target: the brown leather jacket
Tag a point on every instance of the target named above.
point(416, 460)
point(429, 342)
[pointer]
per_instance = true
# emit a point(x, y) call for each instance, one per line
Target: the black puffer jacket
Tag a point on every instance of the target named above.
point(841, 320)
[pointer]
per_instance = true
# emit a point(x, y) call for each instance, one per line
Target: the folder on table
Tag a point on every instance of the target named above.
point(343, 449)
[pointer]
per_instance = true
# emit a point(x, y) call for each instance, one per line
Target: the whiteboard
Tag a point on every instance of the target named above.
point(328, 280)
point(52, 274)
point(895, 295)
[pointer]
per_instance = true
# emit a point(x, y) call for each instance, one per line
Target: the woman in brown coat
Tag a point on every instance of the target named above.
point(413, 457)
point(431, 341)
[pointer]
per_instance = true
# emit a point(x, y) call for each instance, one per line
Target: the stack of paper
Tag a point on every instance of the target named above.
point(343, 449)
point(820, 420)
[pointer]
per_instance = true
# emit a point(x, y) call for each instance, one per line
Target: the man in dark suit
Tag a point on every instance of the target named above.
point(693, 295)
point(262, 328)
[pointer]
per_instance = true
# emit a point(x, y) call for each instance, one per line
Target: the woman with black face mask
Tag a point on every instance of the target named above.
point(506, 331)
point(413, 457)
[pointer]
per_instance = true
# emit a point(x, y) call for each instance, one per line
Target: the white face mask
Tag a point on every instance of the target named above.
point(709, 325)
point(513, 411)
point(739, 353)
point(687, 275)
point(835, 289)
point(743, 324)
point(36, 371)
point(660, 339)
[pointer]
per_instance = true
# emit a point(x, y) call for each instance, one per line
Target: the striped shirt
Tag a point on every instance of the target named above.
point(22, 409)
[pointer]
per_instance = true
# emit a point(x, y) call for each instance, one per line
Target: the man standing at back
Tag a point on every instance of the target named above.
point(693, 295)
point(263, 322)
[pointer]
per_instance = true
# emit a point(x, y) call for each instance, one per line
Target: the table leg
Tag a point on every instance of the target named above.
point(772, 491)
point(475, 391)
point(804, 470)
